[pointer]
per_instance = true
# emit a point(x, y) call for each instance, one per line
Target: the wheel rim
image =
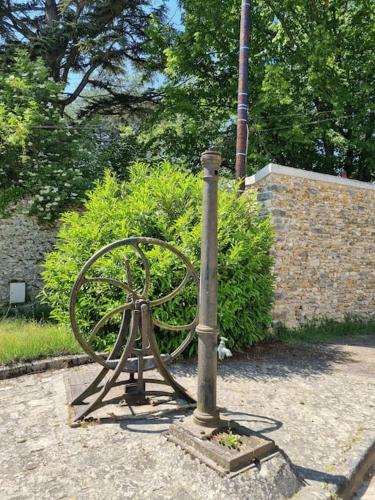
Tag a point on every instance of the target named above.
point(128, 287)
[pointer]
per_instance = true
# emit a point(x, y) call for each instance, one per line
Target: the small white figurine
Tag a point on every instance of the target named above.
point(222, 351)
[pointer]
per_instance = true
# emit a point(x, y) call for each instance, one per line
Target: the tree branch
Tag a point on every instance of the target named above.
point(81, 85)
point(21, 27)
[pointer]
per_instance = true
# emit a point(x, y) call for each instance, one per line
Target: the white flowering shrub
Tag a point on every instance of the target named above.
point(43, 156)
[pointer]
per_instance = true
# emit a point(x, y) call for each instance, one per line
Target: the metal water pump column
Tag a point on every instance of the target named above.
point(206, 413)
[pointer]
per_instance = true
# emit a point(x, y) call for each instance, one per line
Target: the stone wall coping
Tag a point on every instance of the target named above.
point(273, 168)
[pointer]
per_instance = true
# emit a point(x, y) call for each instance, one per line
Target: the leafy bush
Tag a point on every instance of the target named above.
point(165, 202)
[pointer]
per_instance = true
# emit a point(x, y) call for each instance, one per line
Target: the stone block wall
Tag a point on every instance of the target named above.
point(23, 245)
point(324, 243)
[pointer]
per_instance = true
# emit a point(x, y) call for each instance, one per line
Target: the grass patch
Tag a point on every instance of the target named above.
point(327, 330)
point(22, 340)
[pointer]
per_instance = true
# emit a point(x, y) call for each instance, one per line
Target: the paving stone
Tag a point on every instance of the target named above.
point(317, 403)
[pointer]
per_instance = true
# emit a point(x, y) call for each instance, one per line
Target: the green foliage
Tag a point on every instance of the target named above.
point(327, 330)
point(164, 201)
point(230, 440)
point(311, 85)
point(117, 145)
point(183, 135)
point(42, 157)
point(7, 197)
point(22, 340)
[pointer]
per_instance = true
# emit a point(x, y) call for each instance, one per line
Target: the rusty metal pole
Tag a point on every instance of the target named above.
point(206, 413)
point(243, 94)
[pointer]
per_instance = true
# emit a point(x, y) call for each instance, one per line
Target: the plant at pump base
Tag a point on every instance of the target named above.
point(164, 202)
point(230, 440)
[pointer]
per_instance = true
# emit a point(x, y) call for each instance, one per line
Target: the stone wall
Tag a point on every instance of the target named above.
point(23, 245)
point(325, 243)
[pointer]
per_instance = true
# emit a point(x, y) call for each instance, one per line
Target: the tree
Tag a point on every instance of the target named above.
point(88, 40)
point(43, 156)
point(311, 84)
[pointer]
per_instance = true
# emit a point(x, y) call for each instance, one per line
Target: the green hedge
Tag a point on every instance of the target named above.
point(165, 202)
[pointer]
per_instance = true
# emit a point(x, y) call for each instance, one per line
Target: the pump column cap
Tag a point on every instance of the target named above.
point(211, 161)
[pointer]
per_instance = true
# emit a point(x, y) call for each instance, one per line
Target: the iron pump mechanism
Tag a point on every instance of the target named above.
point(135, 349)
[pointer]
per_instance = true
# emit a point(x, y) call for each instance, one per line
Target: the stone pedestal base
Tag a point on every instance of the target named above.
point(203, 442)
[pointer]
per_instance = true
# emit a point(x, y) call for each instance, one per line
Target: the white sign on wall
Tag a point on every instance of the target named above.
point(17, 293)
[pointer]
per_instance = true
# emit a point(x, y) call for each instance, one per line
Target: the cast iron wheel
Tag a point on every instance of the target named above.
point(132, 295)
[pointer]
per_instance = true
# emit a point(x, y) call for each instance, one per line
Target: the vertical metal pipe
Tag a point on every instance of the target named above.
point(243, 97)
point(206, 412)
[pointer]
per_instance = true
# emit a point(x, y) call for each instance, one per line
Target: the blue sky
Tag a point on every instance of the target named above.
point(174, 12)
point(173, 16)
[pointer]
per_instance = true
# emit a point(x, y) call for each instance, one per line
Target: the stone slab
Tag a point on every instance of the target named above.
point(201, 444)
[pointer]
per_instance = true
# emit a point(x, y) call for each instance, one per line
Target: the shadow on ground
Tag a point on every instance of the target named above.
point(260, 424)
point(307, 475)
point(276, 360)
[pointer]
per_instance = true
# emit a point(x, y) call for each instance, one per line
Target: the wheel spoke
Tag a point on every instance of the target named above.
point(184, 344)
point(176, 291)
point(146, 267)
point(174, 328)
point(132, 292)
point(129, 278)
point(114, 282)
point(106, 318)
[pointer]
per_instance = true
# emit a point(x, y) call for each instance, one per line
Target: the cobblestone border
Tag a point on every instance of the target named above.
point(353, 472)
point(19, 369)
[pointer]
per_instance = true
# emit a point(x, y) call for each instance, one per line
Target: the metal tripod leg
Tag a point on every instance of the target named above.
point(134, 327)
point(94, 385)
point(140, 322)
point(148, 329)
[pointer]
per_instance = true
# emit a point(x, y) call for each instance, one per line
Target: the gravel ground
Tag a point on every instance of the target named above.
point(317, 403)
